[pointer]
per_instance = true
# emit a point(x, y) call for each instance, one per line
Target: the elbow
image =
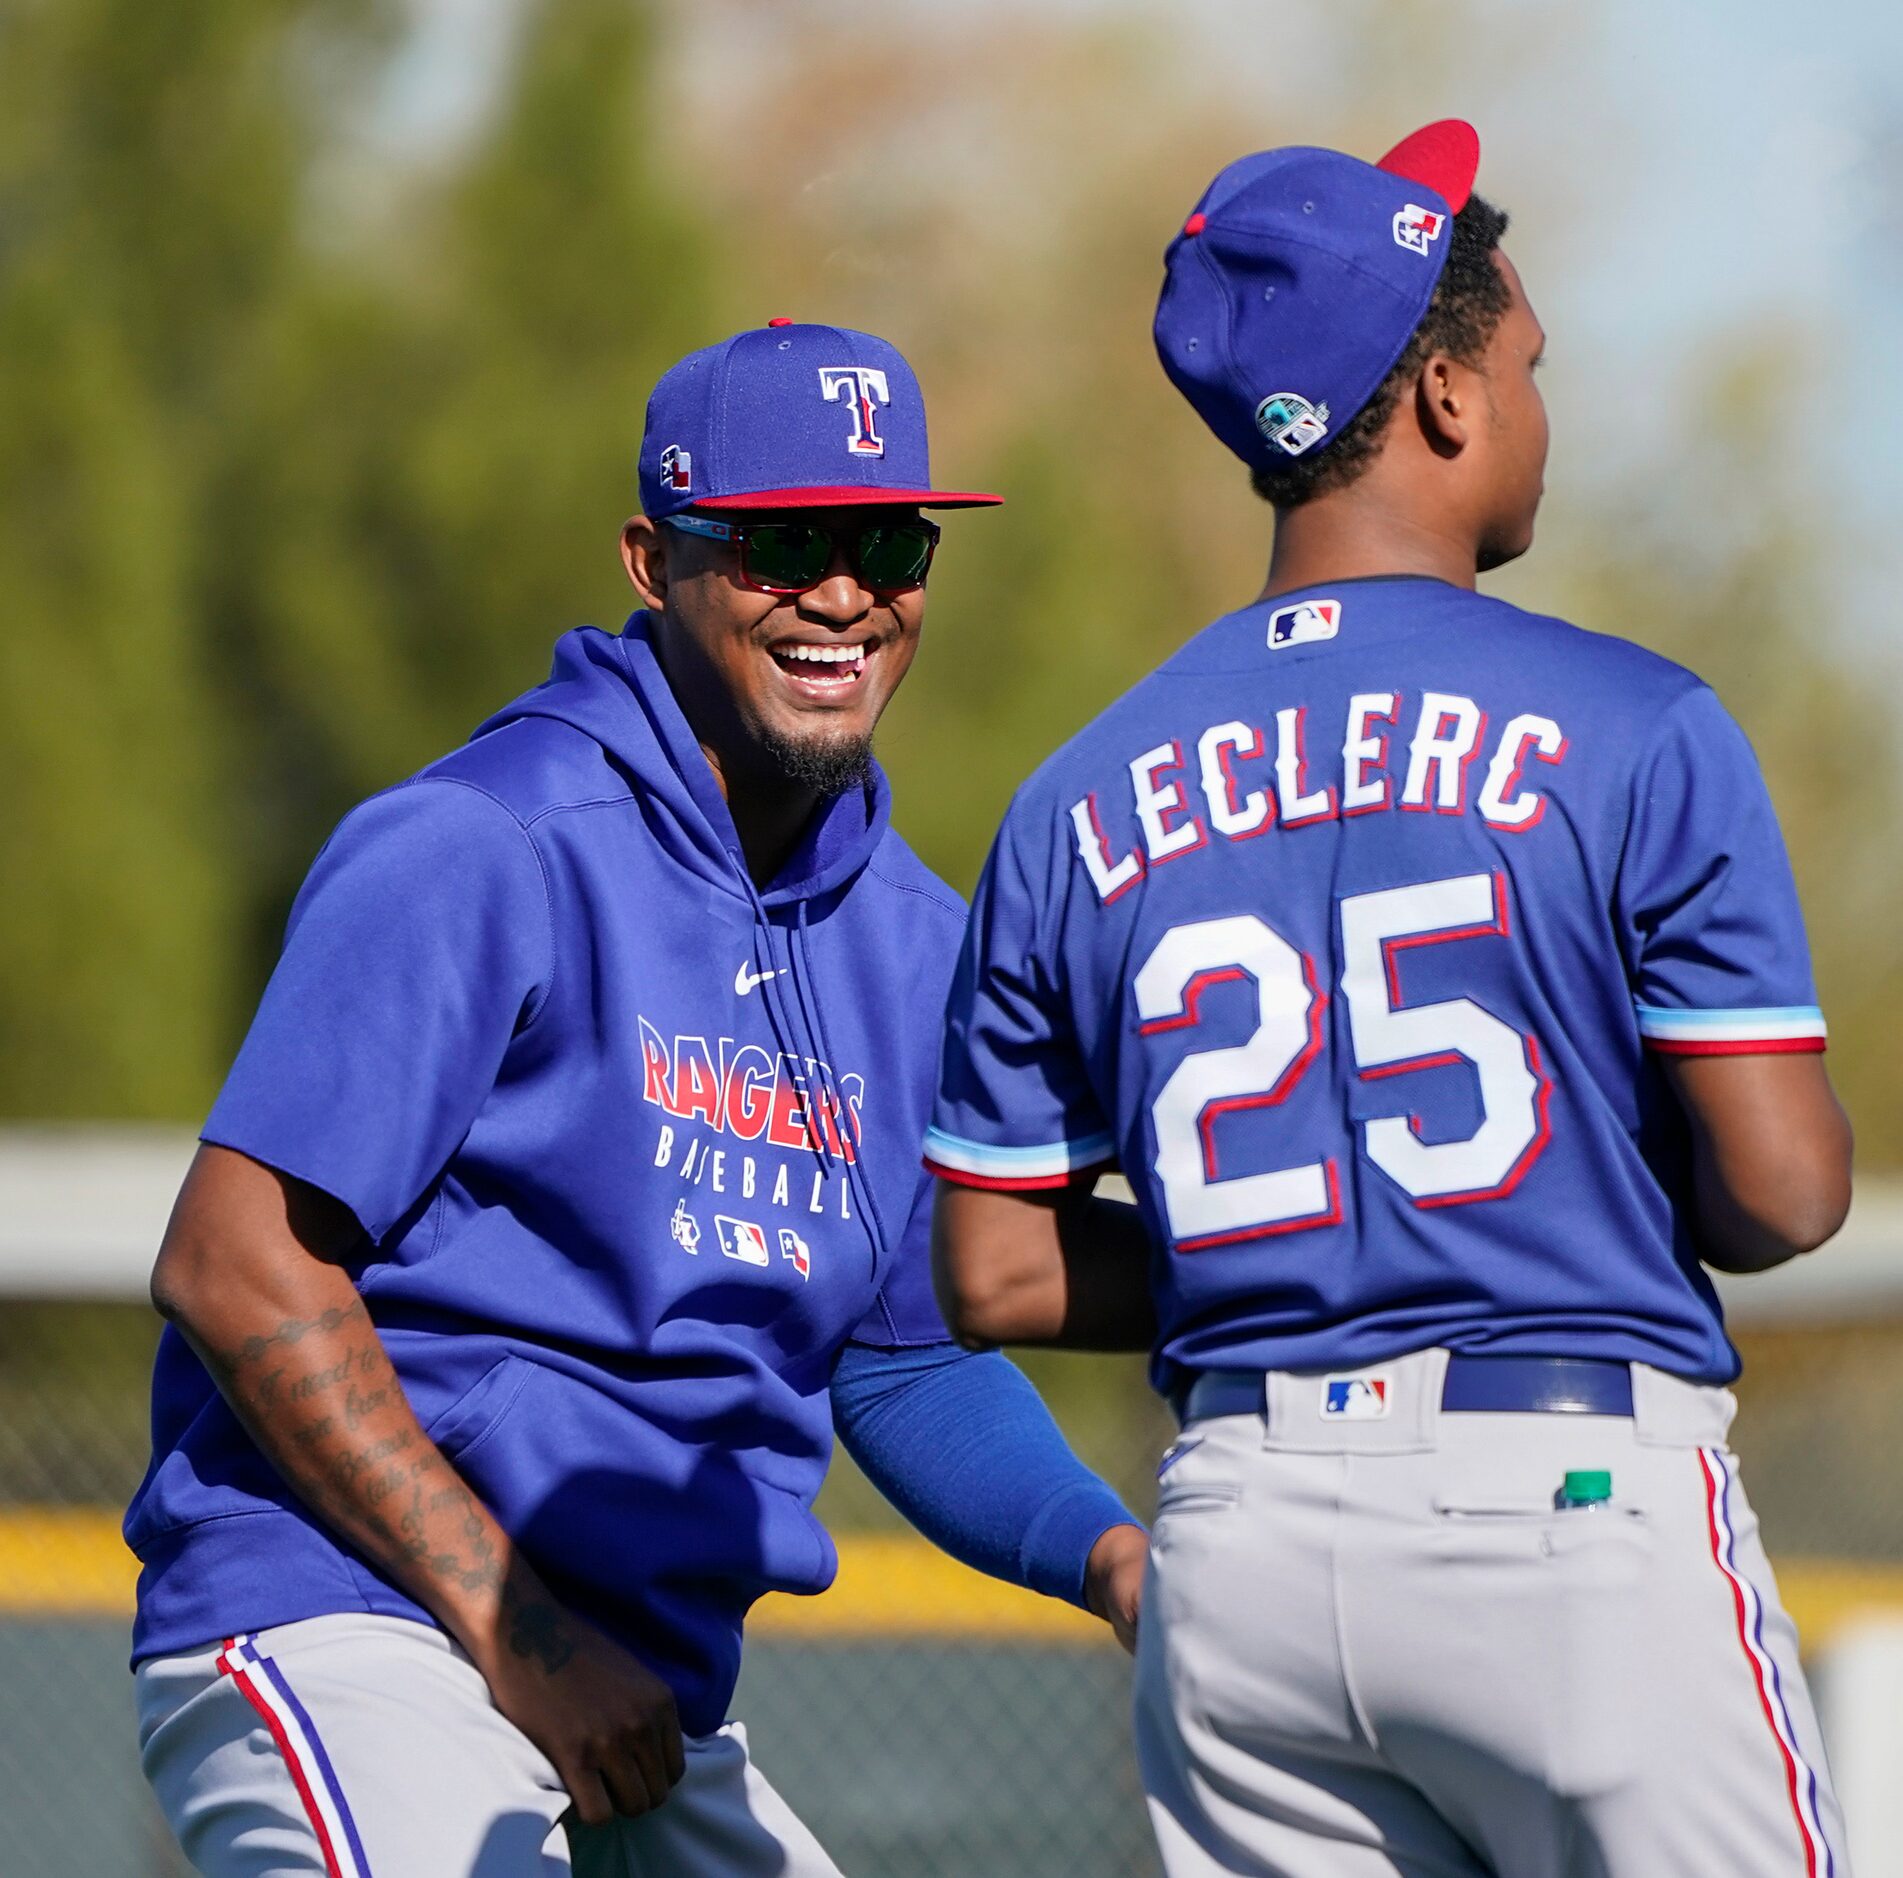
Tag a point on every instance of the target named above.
point(1811, 1204)
point(1802, 1218)
point(996, 1269)
point(177, 1282)
point(974, 1312)
point(983, 1317)
point(1813, 1219)
point(985, 1299)
point(982, 1327)
point(1788, 1198)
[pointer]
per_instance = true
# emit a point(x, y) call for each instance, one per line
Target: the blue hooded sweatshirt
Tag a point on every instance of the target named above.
point(635, 1148)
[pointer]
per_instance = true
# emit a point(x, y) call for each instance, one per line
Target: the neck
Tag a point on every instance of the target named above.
point(769, 812)
point(1359, 531)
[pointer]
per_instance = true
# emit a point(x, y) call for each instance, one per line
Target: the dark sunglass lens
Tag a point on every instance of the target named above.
point(792, 555)
point(895, 554)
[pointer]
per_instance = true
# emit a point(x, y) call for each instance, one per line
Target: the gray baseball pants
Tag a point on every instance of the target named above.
point(1376, 1646)
point(368, 1747)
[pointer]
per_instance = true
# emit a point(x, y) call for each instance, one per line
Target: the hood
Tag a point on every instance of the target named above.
point(611, 687)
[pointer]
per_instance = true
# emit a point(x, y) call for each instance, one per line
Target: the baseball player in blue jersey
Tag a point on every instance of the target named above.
point(564, 1198)
point(1434, 972)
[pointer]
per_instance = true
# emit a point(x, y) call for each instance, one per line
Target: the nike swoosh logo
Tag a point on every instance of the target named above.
point(744, 980)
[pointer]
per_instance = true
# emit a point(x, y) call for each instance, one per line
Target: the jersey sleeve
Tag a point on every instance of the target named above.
point(419, 943)
point(1015, 1106)
point(1710, 919)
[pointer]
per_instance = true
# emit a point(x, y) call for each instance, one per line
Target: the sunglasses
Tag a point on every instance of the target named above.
point(792, 557)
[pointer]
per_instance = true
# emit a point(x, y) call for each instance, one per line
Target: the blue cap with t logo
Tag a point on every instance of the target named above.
point(790, 417)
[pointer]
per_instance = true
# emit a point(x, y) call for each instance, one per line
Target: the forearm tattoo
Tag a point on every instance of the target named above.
point(329, 1428)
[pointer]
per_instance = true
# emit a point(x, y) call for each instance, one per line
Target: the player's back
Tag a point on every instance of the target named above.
point(1361, 913)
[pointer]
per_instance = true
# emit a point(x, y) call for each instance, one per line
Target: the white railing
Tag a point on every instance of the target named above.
point(82, 1208)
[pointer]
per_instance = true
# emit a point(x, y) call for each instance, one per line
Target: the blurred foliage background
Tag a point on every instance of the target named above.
point(310, 445)
point(314, 435)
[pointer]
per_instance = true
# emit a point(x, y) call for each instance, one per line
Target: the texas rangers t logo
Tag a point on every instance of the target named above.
point(864, 390)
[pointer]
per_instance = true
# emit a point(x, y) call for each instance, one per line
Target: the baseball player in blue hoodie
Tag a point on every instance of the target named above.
point(562, 1201)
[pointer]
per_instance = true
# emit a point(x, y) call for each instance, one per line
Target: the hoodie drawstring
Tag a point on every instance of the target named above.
point(786, 1035)
point(860, 1184)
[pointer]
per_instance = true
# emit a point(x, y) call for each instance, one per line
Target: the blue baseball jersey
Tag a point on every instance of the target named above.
point(1350, 934)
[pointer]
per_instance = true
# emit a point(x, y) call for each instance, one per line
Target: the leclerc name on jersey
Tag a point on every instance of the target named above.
point(1392, 752)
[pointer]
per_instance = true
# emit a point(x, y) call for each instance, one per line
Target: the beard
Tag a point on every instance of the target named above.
point(828, 766)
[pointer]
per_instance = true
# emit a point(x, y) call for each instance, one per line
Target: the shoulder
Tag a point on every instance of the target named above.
point(1637, 678)
point(438, 847)
point(1150, 712)
point(531, 767)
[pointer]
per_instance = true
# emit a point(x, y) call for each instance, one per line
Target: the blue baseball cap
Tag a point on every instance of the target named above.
point(790, 417)
point(1298, 281)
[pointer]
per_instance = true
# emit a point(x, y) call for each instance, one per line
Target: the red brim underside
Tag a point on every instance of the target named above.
point(851, 496)
point(1444, 155)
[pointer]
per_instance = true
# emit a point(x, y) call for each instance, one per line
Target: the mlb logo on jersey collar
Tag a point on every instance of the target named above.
point(1356, 1398)
point(1306, 620)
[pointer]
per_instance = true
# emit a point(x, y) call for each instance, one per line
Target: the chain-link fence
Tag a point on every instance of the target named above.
point(920, 1743)
point(929, 1741)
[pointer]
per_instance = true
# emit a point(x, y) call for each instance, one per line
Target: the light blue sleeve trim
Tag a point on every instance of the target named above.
point(1761, 1022)
point(979, 1157)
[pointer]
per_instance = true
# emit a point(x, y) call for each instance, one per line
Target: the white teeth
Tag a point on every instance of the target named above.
point(824, 655)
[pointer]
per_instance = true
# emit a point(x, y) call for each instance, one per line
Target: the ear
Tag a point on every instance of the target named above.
point(1446, 398)
point(644, 554)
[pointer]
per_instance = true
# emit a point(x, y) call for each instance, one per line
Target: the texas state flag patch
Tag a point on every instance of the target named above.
point(1355, 1398)
point(1303, 622)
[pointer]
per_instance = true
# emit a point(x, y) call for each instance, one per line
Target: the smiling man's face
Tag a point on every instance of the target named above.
point(791, 684)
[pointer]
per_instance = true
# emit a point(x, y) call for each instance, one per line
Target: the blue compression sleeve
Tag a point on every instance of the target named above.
point(964, 1447)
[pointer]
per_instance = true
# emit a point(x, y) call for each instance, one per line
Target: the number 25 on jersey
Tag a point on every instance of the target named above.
point(1387, 1038)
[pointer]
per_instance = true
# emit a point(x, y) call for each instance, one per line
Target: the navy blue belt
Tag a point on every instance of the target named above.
point(1485, 1385)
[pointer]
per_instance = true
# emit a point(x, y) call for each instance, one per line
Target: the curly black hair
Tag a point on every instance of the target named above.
point(1468, 302)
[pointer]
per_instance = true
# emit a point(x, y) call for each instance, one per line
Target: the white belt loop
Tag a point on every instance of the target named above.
point(1381, 1408)
point(1670, 1412)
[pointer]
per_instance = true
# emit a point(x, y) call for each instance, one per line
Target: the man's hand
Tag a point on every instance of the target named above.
point(606, 1722)
point(1113, 1580)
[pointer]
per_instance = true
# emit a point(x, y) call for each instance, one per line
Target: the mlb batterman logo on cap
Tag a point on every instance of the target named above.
point(790, 417)
point(1298, 281)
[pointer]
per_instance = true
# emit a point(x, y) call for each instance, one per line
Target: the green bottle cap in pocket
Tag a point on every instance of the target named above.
point(1586, 1486)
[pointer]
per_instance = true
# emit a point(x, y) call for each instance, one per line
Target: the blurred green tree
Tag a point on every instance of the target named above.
point(304, 461)
point(148, 187)
point(286, 504)
point(1027, 308)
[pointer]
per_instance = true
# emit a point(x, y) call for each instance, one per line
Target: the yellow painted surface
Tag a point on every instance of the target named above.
point(70, 1562)
point(64, 1562)
point(894, 1585)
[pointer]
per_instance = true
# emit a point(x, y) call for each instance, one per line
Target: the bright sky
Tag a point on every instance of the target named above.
point(1679, 173)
